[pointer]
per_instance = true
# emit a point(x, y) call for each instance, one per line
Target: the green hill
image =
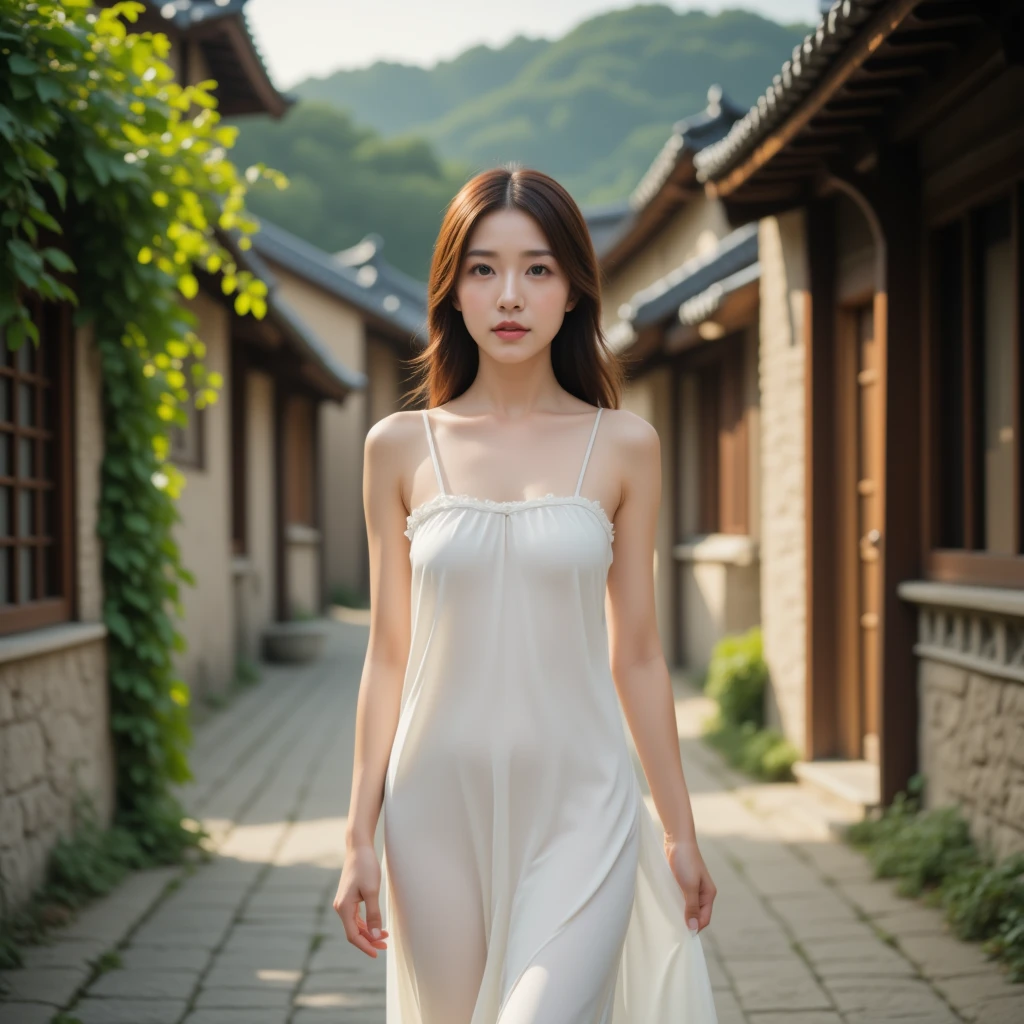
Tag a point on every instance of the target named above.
point(346, 181)
point(384, 148)
point(591, 108)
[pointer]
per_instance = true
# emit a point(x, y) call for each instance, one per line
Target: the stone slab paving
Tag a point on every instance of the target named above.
point(802, 932)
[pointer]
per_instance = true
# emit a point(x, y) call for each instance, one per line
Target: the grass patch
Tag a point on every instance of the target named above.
point(933, 857)
point(83, 866)
point(736, 678)
point(347, 597)
point(763, 753)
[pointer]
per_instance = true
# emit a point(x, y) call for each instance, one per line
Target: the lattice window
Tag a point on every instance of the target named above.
point(36, 491)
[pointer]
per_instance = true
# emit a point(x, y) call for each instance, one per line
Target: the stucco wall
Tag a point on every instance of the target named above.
point(204, 533)
point(693, 230)
point(386, 383)
point(342, 431)
point(302, 556)
point(719, 583)
point(784, 287)
point(649, 397)
point(254, 575)
point(54, 720)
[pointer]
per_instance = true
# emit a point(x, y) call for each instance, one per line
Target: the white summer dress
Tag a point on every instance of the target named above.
point(524, 878)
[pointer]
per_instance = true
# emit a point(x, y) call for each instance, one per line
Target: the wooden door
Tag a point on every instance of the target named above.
point(868, 520)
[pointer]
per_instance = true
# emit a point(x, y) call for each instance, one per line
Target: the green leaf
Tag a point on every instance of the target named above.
point(98, 163)
point(21, 65)
point(8, 306)
point(16, 334)
point(59, 259)
point(42, 217)
point(48, 89)
point(22, 251)
point(59, 185)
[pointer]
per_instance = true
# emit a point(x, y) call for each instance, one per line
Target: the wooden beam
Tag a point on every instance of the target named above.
point(982, 63)
point(865, 44)
point(898, 205)
point(820, 633)
point(280, 488)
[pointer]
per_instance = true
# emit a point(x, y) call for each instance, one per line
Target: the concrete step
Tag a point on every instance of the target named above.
point(851, 785)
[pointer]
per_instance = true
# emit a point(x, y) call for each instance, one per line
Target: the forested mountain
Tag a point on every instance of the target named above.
point(592, 108)
point(346, 181)
point(384, 148)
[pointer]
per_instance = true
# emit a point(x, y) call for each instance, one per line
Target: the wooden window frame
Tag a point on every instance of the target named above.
point(300, 467)
point(971, 566)
point(723, 448)
point(239, 392)
point(52, 373)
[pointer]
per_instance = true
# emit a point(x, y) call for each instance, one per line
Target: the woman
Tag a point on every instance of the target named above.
point(524, 880)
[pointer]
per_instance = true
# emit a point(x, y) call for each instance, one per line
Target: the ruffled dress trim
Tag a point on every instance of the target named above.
point(428, 508)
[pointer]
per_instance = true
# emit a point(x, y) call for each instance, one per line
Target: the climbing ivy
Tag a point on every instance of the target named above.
point(115, 181)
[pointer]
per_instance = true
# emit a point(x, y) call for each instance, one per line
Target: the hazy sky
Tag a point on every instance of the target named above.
point(299, 38)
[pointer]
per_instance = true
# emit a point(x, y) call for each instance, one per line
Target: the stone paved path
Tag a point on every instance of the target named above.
point(801, 933)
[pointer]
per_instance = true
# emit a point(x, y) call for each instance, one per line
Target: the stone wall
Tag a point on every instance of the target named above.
point(784, 284)
point(971, 725)
point(54, 722)
point(54, 742)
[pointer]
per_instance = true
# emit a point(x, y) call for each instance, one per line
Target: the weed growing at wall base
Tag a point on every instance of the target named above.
point(933, 856)
point(736, 678)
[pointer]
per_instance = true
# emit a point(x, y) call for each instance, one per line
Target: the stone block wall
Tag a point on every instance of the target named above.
point(970, 642)
point(972, 750)
point(54, 742)
point(54, 720)
point(784, 285)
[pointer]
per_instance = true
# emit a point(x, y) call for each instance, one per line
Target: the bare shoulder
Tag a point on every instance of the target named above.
point(391, 435)
point(633, 436)
point(389, 447)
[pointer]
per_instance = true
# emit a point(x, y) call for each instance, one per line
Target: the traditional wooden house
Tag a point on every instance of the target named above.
point(373, 317)
point(680, 306)
point(241, 457)
point(885, 164)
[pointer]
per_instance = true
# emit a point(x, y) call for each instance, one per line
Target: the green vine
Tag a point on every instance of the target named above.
point(115, 181)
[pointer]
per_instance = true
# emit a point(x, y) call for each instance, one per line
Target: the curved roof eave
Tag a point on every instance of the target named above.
point(811, 61)
point(386, 293)
point(290, 322)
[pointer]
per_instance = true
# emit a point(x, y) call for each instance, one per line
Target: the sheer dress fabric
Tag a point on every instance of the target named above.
point(524, 880)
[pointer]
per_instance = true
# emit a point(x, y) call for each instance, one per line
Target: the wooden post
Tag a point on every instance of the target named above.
point(898, 203)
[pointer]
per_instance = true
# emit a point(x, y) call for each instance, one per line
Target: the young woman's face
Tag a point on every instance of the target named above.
point(510, 274)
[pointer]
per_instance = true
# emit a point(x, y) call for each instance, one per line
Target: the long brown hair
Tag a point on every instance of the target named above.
point(580, 357)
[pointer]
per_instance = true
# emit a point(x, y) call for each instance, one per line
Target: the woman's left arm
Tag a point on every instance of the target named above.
point(638, 662)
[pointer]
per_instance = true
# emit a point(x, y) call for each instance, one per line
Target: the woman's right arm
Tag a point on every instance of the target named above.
point(380, 686)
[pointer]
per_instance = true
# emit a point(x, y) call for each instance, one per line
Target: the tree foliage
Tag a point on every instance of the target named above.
point(567, 106)
point(348, 181)
point(115, 179)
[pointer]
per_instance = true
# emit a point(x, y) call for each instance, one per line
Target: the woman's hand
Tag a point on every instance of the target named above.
point(694, 879)
point(360, 883)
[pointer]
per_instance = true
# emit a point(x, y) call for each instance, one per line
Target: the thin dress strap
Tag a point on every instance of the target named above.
point(586, 458)
point(433, 451)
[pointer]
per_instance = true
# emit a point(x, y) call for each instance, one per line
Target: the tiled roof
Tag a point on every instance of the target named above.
point(692, 134)
point(604, 222)
point(811, 60)
point(281, 313)
point(359, 275)
point(187, 14)
point(697, 284)
point(640, 215)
